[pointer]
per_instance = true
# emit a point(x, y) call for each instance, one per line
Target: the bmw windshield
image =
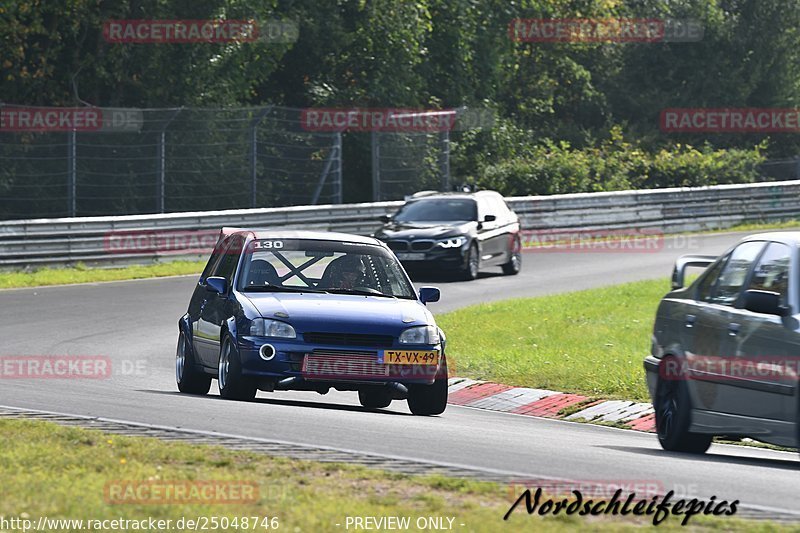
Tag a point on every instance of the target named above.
point(438, 210)
point(303, 265)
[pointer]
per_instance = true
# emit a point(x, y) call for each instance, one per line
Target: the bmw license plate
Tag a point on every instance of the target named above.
point(409, 357)
point(408, 256)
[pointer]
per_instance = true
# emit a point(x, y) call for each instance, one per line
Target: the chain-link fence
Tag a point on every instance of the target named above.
point(100, 161)
point(407, 162)
point(91, 161)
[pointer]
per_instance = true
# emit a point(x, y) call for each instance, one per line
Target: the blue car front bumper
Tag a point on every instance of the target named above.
point(317, 364)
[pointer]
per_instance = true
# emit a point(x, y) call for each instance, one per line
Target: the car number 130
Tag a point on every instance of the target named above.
point(268, 245)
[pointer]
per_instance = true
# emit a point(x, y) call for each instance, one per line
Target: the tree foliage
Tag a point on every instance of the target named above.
point(553, 101)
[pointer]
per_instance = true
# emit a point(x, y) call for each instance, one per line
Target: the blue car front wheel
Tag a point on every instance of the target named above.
point(189, 380)
point(427, 400)
point(232, 384)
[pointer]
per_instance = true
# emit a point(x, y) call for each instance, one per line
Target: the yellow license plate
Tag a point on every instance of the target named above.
point(410, 357)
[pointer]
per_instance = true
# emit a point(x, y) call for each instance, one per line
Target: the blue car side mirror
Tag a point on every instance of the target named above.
point(429, 294)
point(217, 284)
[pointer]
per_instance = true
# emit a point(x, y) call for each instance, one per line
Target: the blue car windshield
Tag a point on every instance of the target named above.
point(438, 210)
point(298, 265)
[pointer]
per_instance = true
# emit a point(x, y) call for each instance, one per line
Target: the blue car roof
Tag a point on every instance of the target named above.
point(304, 234)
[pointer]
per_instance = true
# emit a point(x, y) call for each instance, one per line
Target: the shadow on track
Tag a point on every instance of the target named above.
point(288, 403)
point(716, 457)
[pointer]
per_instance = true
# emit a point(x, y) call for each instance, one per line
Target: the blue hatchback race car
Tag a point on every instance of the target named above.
point(300, 310)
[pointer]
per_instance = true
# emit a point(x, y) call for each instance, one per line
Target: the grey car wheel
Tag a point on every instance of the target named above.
point(672, 407)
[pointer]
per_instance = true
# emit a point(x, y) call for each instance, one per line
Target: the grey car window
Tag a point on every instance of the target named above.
point(772, 271)
point(735, 272)
point(706, 285)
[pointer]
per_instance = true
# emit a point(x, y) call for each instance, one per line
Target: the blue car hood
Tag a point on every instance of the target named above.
point(334, 313)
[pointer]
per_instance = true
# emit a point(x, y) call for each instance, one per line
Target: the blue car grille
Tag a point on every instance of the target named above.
point(349, 339)
point(343, 365)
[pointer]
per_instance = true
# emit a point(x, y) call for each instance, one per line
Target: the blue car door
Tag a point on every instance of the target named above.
point(215, 308)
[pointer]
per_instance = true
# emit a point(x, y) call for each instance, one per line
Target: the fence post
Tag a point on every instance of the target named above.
point(444, 159)
point(254, 154)
point(337, 144)
point(332, 157)
point(72, 181)
point(376, 172)
point(161, 159)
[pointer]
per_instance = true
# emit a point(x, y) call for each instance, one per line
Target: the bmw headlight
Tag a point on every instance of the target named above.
point(420, 335)
point(453, 242)
point(265, 327)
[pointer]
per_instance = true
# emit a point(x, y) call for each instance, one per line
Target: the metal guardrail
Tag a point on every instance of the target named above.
point(70, 240)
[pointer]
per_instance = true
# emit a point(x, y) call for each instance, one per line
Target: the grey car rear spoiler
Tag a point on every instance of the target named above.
point(685, 261)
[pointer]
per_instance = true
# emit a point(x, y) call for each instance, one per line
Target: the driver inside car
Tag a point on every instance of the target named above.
point(262, 274)
point(346, 272)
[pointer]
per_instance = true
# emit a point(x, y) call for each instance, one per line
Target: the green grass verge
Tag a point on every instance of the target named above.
point(65, 472)
point(760, 226)
point(83, 274)
point(590, 342)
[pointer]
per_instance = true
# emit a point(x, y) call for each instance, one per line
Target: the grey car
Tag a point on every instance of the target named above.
point(725, 349)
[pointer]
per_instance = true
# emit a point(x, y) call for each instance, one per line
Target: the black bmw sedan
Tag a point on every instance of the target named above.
point(460, 233)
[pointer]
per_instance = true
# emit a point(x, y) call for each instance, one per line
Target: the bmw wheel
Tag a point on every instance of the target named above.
point(189, 380)
point(514, 264)
point(673, 416)
point(232, 384)
point(471, 268)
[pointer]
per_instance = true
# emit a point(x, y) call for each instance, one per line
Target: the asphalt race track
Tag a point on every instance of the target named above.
point(134, 323)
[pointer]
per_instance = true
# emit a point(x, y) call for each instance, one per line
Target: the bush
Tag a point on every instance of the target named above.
point(558, 168)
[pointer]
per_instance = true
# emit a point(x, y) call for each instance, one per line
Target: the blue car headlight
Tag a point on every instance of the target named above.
point(453, 242)
point(420, 335)
point(265, 327)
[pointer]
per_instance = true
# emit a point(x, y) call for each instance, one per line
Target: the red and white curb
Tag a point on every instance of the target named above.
point(548, 403)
